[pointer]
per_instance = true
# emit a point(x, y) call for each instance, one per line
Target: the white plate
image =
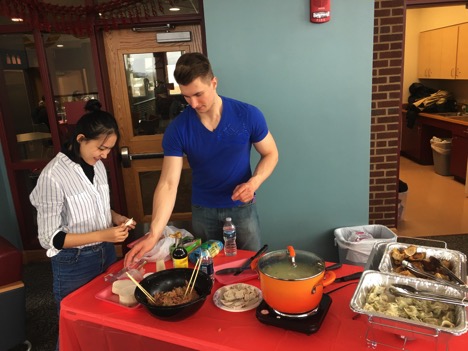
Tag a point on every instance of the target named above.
point(238, 304)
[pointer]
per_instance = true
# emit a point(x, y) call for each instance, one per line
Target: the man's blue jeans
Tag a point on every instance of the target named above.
point(208, 223)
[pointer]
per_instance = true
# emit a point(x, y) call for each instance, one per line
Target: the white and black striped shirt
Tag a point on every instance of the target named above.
point(66, 200)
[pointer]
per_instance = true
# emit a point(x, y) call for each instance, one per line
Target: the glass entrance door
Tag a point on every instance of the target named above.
point(146, 99)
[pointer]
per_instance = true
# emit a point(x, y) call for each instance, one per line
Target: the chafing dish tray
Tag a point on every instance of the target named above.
point(405, 327)
point(376, 256)
point(457, 259)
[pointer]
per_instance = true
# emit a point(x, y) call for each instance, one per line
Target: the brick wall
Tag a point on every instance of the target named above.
point(385, 116)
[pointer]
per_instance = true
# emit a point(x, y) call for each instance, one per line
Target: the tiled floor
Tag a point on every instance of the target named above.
point(436, 205)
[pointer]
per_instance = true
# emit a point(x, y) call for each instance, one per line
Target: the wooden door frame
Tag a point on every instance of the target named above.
point(120, 107)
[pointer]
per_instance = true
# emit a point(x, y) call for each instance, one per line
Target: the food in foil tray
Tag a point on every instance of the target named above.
point(379, 299)
point(376, 297)
point(419, 260)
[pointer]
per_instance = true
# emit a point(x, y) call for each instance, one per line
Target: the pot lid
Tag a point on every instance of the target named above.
point(291, 264)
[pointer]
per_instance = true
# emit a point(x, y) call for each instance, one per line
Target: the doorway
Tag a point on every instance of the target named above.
point(145, 99)
point(435, 211)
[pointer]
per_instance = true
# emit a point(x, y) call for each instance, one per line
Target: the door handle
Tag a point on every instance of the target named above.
point(127, 157)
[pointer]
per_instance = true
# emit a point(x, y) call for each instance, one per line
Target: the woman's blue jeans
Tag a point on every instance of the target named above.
point(208, 223)
point(73, 268)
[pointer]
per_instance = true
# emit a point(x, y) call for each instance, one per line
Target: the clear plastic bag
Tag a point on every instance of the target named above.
point(357, 252)
point(359, 236)
point(441, 146)
point(161, 251)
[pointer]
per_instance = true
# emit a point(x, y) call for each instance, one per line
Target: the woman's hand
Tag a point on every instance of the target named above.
point(115, 234)
point(129, 223)
point(118, 219)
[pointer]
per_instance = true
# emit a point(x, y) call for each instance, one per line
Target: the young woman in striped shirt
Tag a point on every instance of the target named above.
point(75, 222)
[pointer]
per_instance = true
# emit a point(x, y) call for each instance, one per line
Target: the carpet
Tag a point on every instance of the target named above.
point(41, 311)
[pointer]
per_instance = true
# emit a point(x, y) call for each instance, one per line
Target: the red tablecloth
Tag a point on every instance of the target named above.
point(88, 323)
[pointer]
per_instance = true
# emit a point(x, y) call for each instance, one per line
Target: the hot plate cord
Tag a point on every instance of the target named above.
point(340, 287)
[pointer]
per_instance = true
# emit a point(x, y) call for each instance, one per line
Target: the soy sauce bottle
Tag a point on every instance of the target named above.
point(179, 257)
point(206, 264)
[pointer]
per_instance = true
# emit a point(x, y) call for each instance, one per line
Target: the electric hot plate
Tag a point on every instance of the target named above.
point(307, 323)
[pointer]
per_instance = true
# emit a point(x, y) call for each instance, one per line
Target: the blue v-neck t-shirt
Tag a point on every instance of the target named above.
point(219, 159)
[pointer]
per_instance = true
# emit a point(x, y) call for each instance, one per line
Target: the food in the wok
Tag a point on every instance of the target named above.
point(419, 260)
point(175, 296)
point(379, 299)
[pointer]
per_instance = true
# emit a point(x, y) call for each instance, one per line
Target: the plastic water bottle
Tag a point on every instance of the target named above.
point(229, 234)
point(213, 247)
point(207, 263)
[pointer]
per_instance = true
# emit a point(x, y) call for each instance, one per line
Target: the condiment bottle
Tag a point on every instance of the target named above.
point(179, 257)
point(207, 263)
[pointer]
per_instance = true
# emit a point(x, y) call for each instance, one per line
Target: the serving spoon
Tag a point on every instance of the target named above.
point(409, 291)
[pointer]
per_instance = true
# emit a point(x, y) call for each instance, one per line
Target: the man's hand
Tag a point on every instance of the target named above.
point(243, 192)
point(269, 158)
point(140, 249)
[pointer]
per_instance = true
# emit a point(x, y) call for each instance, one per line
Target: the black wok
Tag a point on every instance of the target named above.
point(166, 281)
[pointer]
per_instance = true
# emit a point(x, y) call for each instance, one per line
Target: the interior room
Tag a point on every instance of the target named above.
point(327, 76)
point(431, 196)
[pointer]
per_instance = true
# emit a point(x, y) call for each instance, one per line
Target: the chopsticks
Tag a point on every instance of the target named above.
point(148, 295)
point(193, 278)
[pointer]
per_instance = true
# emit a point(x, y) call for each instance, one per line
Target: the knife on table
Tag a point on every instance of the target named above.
point(246, 265)
point(333, 267)
point(348, 277)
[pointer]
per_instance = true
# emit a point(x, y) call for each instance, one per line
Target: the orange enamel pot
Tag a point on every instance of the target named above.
point(292, 281)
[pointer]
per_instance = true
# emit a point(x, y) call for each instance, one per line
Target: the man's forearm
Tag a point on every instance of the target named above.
point(264, 169)
point(163, 205)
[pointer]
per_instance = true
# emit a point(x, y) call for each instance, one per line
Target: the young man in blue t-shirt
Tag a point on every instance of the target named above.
point(216, 134)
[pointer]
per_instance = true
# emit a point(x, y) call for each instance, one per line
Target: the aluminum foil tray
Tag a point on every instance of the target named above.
point(376, 256)
point(457, 258)
point(399, 325)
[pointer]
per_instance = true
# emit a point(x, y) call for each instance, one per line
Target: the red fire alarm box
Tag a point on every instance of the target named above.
point(319, 11)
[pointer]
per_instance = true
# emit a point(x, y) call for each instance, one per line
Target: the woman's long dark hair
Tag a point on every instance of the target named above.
point(92, 125)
